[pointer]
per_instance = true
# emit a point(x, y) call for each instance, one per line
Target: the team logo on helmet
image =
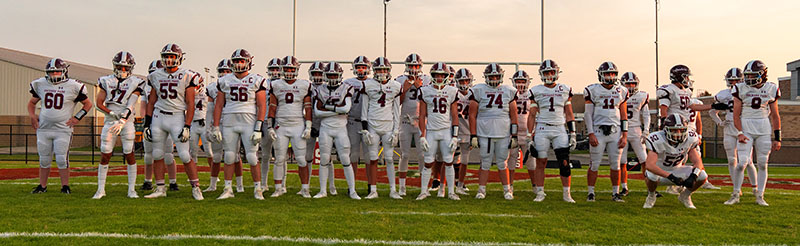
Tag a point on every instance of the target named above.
point(680, 74)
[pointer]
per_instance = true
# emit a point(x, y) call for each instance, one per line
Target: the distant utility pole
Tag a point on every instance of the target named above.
point(385, 4)
point(542, 29)
point(656, 44)
point(294, 25)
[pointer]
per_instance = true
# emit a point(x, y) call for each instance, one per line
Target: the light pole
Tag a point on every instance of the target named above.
point(385, 4)
point(542, 29)
point(294, 25)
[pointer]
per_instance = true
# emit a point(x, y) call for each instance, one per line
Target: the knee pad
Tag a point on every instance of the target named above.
point(252, 159)
point(564, 167)
point(106, 147)
point(185, 156)
point(594, 166)
point(45, 161)
point(230, 157)
point(148, 158)
point(62, 162)
point(169, 159)
point(486, 166)
point(614, 167)
point(158, 154)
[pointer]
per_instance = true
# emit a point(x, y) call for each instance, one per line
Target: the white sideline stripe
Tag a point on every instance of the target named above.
point(244, 238)
point(573, 191)
point(450, 214)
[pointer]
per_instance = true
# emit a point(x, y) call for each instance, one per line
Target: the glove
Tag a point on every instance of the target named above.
point(271, 133)
point(453, 144)
point(423, 143)
point(473, 141)
point(307, 131)
point(719, 106)
point(117, 127)
point(395, 138)
point(184, 135)
point(365, 137)
point(147, 135)
point(573, 141)
point(513, 143)
point(256, 137)
point(215, 135)
point(689, 182)
point(114, 115)
point(675, 180)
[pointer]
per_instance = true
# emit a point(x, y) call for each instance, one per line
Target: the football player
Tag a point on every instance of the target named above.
point(639, 118)
point(317, 77)
point(332, 102)
point(223, 68)
point(240, 99)
point(289, 120)
point(464, 80)
point(53, 125)
point(550, 111)
point(171, 103)
point(755, 108)
point(116, 99)
point(521, 81)
point(668, 150)
point(438, 122)
point(493, 125)
point(732, 77)
point(607, 124)
point(169, 159)
point(273, 74)
point(412, 80)
point(358, 149)
point(380, 123)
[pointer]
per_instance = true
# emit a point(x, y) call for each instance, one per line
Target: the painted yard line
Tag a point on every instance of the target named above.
point(450, 214)
point(244, 238)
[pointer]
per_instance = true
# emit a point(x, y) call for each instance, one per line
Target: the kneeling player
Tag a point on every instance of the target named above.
point(668, 150)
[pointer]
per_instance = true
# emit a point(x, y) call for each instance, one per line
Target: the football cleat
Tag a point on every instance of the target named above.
point(65, 189)
point(708, 185)
point(461, 191)
point(435, 185)
point(372, 195)
point(454, 197)
point(658, 194)
point(305, 193)
point(147, 186)
point(355, 196)
point(227, 192)
point(161, 191)
point(239, 188)
point(197, 193)
point(39, 189)
point(590, 197)
point(539, 196)
point(133, 194)
point(617, 197)
point(568, 197)
point(402, 190)
point(423, 195)
point(173, 187)
point(210, 189)
point(395, 195)
point(99, 194)
point(440, 193)
point(672, 189)
point(624, 192)
point(686, 198)
point(508, 195)
point(465, 188)
point(734, 199)
point(321, 194)
point(278, 192)
point(650, 201)
point(332, 191)
point(760, 201)
point(480, 195)
point(258, 193)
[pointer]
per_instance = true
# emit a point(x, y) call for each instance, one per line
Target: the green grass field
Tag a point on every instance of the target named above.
point(291, 219)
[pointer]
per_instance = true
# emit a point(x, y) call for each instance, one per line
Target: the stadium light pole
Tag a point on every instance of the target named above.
point(656, 42)
point(542, 29)
point(385, 4)
point(294, 25)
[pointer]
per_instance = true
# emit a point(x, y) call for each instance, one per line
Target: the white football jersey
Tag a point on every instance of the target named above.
point(338, 96)
point(493, 109)
point(693, 115)
point(200, 102)
point(523, 108)
point(211, 90)
point(725, 96)
point(290, 100)
point(463, 113)
point(58, 102)
point(438, 103)
point(637, 105)
point(380, 99)
point(551, 102)
point(119, 93)
point(315, 121)
point(670, 156)
point(240, 94)
point(606, 103)
point(409, 107)
point(755, 101)
point(357, 86)
point(171, 88)
point(676, 99)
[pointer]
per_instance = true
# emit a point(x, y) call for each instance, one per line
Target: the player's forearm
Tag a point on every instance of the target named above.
point(737, 114)
point(662, 111)
point(364, 107)
point(132, 101)
point(512, 112)
point(210, 113)
point(151, 103)
point(700, 107)
point(218, 105)
point(698, 124)
point(714, 114)
point(99, 99)
point(348, 103)
point(261, 105)
point(273, 106)
point(189, 115)
point(775, 116)
point(307, 108)
point(87, 105)
point(473, 115)
point(650, 165)
point(531, 123)
point(587, 118)
point(32, 107)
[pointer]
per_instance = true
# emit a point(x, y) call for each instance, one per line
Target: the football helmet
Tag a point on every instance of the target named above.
point(463, 79)
point(155, 65)
point(521, 80)
point(676, 128)
point(56, 65)
point(680, 74)
point(289, 67)
point(630, 81)
point(241, 54)
point(440, 68)
point(274, 68)
point(121, 60)
point(607, 73)
point(224, 67)
point(167, 51)
point(413, 65)
point(755, 73)
point(546, 67)
point(382, 69)
point(330, 70)
point(493, 74)
point(361, 67)
point(315, 73)
point(733, 77)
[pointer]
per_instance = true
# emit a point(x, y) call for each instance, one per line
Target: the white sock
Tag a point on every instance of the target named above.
point(450, 175)
point(390, 175)
point(213, 182)
point(565, 189)
point(738, 179)
point(102, 171)
point(257, 185)
point(148, 180)
point(624, 185)
point(615, 189)
point(278, 186)
point(331, 176)
point(239, 182)
point(304, 186)
point(228, 183)
point(482, 189)
point(172, 181)
point(349, 177)
point(505, 188)
point(264, 170)
point(539, 189)
point(762, 181)
point(402, 182)
point(425, 178)
point(591, 189)
point(132, 177)
point(751, 173)
point(323, 180)
point(373, 188)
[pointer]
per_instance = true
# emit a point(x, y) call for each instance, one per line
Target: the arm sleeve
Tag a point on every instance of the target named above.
point(645, 114)
point(348, 102)
point(587, 118)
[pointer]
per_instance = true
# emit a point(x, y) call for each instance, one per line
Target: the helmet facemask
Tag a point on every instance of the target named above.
point(608, 77)
point(240, 65)
point(122, 72)
point(289, 72)
point(171, 60)
point(521, 84)
point(752, 79)
point(382, 74)
point(549, 76)
point(676, 134)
